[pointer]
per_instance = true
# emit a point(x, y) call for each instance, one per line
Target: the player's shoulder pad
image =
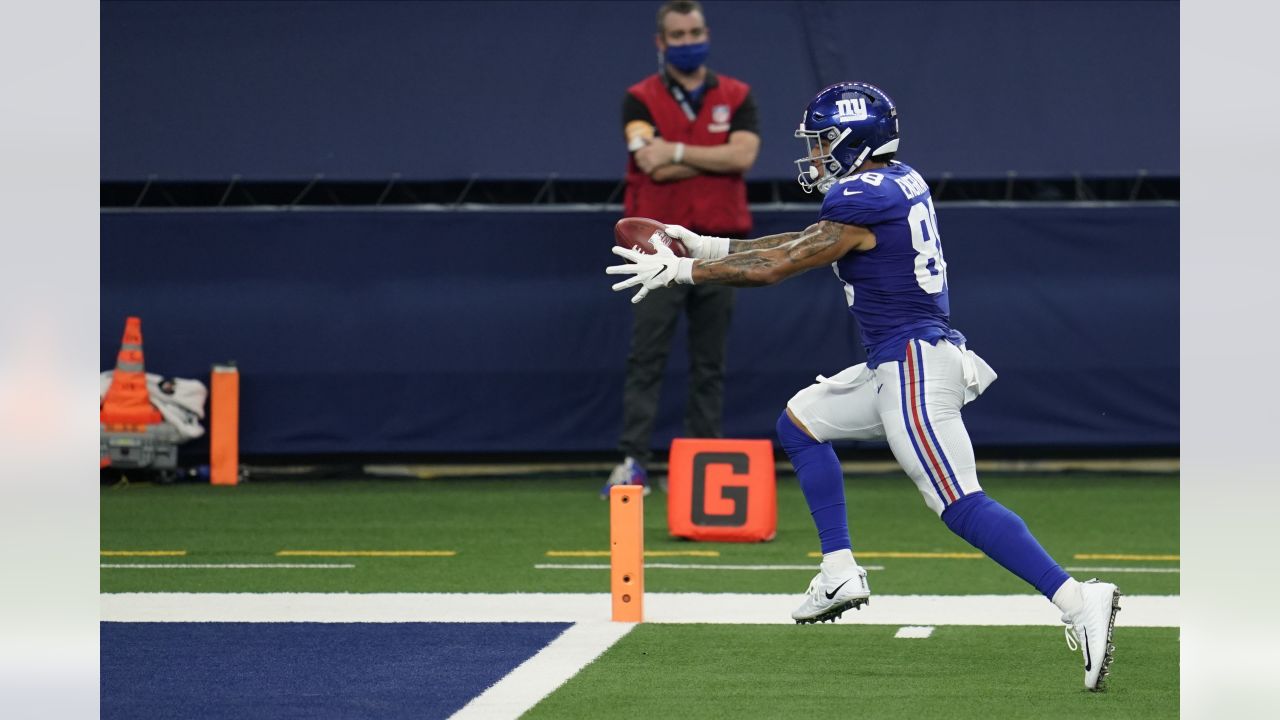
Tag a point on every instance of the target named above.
point(863, 191)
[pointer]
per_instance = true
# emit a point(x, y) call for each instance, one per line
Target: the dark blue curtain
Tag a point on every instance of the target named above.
point(434, 90)
point(404, 331)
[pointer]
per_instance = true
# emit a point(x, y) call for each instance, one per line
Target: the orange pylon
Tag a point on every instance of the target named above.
point(126, 405)
point(626, 552)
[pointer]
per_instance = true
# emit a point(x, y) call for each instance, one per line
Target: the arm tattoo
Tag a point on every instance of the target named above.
point(764, 243)
point(819, 244)
point(739, 270)
point(818, 239)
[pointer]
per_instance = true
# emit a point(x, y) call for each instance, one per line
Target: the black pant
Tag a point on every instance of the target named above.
point(709, 308)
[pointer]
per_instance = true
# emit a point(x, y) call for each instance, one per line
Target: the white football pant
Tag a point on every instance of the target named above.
point(914, 405)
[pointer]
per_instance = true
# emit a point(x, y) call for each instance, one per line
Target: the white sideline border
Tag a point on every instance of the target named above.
point(993, 610)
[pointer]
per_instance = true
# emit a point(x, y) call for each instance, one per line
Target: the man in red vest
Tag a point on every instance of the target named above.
point(692, 135)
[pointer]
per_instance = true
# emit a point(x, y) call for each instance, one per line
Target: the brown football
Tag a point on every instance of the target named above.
point(639, 233)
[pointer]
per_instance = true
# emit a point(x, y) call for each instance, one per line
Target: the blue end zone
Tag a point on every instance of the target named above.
point(308, 670)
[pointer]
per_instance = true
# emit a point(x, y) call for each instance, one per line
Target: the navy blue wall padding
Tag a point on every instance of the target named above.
point(409, 331)
point(215, 670)
point(362, 90)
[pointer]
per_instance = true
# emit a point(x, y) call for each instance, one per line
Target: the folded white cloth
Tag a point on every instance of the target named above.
point(179, 400)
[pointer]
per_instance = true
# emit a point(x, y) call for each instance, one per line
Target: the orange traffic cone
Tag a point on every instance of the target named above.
point(126, 405)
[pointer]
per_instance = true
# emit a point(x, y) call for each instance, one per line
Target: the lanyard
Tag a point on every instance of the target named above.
point(678, 93)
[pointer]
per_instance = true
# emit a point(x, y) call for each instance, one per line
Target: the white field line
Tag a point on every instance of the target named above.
point(540, 675)
point(225, 566)
point(1137, 610)
point(686, 566)
point(1123, 569)
point(914, 632)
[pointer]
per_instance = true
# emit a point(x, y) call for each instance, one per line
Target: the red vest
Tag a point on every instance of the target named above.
point(707, 203)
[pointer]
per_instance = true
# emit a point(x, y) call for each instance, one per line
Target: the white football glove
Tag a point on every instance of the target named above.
point(651, 271)
point(702, 247)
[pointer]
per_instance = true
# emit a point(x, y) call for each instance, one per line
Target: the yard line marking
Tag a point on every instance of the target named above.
point(223, 566)
point(685, 566)
point(914, 555)
point(975, 555)
point(1115, 556)
point(142, 553)
point(367, 553)
point(916, 632)
point(647, 553)
point(540, 675)
point(1123, 569)
point(577, 553)
point(682, 553)
point(719, 608)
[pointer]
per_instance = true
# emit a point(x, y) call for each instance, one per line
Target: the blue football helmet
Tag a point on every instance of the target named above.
point(851, 121)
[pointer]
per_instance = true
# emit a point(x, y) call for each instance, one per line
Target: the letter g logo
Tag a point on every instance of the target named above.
point(741, 465)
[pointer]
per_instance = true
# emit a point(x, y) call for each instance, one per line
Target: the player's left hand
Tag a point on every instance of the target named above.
point(650, 271)
point(703, 247)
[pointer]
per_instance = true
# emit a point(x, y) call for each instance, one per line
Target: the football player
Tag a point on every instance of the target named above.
point(878, 230)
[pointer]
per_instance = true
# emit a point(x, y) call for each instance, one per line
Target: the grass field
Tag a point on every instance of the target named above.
point(507, 536)
point(500, 530)
point(735, 671)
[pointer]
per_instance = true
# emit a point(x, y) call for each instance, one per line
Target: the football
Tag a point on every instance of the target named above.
point(639, 233)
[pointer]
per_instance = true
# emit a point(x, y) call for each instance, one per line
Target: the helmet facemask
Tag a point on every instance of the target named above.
point(833, 138)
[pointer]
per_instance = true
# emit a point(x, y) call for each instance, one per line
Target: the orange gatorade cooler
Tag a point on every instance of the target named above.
point(722, 490)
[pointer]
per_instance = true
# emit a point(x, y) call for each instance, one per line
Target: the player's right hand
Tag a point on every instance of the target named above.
point(650, 271)
point(702, 247)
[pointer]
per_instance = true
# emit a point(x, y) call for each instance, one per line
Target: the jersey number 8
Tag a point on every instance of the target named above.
point(931, 269)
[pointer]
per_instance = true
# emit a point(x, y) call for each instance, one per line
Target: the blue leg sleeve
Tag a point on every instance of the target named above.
point(1004, 537)
point(821, 481)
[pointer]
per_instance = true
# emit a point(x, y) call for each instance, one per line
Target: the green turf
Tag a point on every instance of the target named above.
point(502, 528)
point(852, 671)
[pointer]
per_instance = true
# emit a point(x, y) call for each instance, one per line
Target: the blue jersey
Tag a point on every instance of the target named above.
point(897, 290)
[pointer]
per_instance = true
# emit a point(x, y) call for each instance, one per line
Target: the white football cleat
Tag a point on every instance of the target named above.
point(1090, 630)
point(830, 595)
